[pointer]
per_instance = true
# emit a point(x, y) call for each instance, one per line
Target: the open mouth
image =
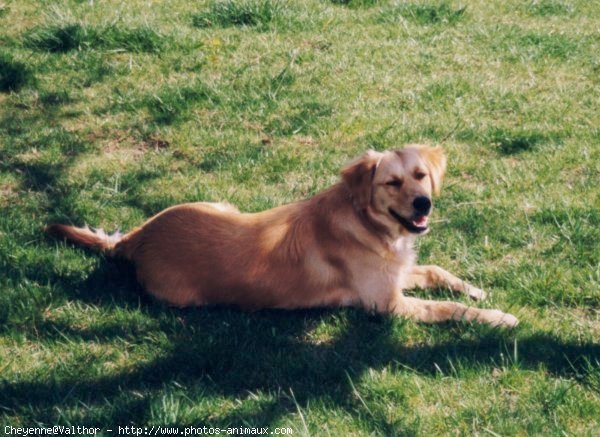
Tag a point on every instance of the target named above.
point(417, 225)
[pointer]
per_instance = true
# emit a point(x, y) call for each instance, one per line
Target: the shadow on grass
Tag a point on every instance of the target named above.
point(225, 352)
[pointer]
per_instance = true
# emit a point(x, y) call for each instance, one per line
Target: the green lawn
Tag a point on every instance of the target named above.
point(113, 110)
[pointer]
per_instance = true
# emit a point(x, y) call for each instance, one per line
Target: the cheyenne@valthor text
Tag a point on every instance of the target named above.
point(50, 430)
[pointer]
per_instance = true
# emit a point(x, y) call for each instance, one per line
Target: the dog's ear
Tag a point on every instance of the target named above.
point(358, 177)
point(436, 163)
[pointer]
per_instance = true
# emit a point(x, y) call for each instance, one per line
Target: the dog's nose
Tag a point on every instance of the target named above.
point(422, 205)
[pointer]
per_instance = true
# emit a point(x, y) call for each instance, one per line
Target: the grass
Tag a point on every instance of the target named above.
point(75, 36)
point(14, 75)
point(549, 7)
point(227, 13)
point(424, 14)
point(112, 111)
point(173, 102)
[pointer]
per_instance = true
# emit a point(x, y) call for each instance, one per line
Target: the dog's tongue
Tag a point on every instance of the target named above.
point(421, 221)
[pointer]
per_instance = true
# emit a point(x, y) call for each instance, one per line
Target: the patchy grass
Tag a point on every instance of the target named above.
point(227, 13)
point(518, 45)
point(14, 75)
point(549, 7)
point(356, 3)
point(75, 36)
point(174, 102)
point(511, 142)
point(110, 112)
point(427, 13)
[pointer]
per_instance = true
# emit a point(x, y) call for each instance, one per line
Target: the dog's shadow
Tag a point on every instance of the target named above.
point(298, 358)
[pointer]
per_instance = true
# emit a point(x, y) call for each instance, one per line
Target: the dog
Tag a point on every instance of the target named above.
point(350, 245)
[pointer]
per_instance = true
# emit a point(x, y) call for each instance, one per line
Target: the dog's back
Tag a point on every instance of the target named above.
point(202, 253)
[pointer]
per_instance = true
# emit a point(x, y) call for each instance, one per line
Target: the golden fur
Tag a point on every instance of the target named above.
point(351, 244)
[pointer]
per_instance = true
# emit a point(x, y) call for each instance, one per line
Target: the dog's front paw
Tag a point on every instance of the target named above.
point(476, 293)
point(503, 320)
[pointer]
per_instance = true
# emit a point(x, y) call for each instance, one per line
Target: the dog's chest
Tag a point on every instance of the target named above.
point(376, 278)
point(403, 248)
point(401, 262)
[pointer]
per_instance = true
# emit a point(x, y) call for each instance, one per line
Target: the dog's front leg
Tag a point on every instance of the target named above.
point(431, 311)
point(434, 276)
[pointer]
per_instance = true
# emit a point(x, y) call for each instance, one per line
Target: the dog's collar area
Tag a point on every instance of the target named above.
point(410, 227)
point(371, 222)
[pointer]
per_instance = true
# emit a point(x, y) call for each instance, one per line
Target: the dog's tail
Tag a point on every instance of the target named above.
point(93, 238)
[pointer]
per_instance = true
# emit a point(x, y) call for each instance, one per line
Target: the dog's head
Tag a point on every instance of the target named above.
point(395, 188)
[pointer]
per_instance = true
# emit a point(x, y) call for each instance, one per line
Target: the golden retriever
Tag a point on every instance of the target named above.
point(350, 245)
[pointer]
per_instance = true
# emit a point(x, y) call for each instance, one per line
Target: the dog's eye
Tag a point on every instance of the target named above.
point(396, 183)
point(420, 175)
